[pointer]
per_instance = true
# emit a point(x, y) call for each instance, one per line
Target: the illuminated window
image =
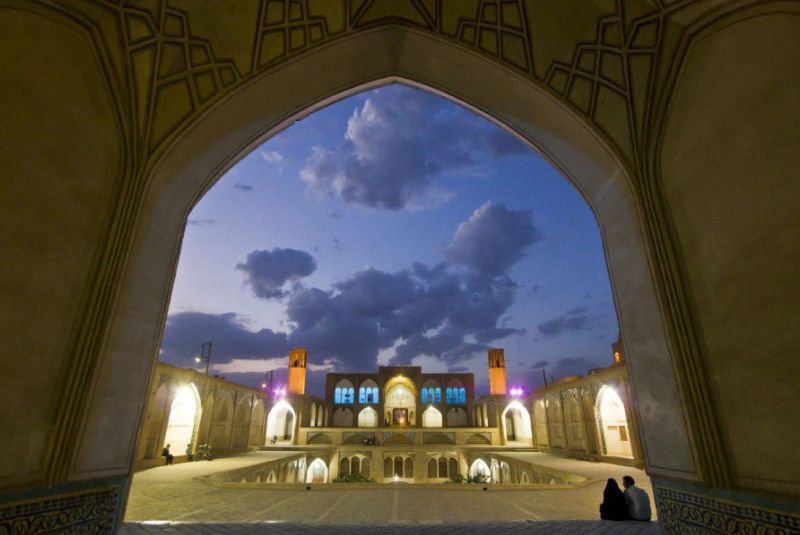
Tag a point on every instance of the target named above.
point(462, 395)
point(424, 395)
point(449, 396)
point(337, 397)
point(437, 398)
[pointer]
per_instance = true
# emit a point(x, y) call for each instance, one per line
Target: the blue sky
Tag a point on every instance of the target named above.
point(392, 227)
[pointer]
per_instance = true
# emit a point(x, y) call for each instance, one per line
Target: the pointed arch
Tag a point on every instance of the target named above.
point(368, 417)
point(184, 415)
point(431, 417)
point(281, 423)
point(317, 472)
point(612, 423)
point(516, 422)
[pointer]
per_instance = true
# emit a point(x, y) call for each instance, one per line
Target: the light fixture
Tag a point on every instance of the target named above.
point(197, 359)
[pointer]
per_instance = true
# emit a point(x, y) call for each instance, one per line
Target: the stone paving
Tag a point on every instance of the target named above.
point(572, 527)
point(173, 495)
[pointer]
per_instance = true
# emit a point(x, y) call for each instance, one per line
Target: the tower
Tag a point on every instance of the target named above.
point(297, 370)
point(497, 372)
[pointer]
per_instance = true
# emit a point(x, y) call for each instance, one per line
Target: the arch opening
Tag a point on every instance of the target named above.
point(184, 415)
point(317, 472)
point(280, 423)
point(612, 423)
point(516, 423)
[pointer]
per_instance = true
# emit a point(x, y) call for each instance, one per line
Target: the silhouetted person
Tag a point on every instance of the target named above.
point(637, 500)
point(189, 454)
point(167, 455)
point(613, 506)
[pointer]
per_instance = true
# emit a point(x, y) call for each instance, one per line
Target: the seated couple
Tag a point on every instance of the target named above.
point(634, 504)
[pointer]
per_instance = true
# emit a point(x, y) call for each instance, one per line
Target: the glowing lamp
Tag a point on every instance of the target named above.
point(516, 392)
point(263, 385)
point(197, 359)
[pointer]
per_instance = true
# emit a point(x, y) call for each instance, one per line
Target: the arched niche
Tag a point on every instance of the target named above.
point(431, 417)
point(317, 472)
point(184, 415)
point(480, 468)
point(281, 423)
point(270, 102)
point(368, 417)
point(516, 422)
point(612, 423)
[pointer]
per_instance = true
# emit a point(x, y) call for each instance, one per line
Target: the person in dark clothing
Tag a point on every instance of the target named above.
point(613, 506)
point(167, 455)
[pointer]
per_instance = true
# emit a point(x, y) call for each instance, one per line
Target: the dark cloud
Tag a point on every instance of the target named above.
point(243, 187)
point(267, 271)
point(337, 243)
point(492, 239)
point(201, 222)
point(186, 331)
point(396, 145)
point(540, 364)
point(574, 320)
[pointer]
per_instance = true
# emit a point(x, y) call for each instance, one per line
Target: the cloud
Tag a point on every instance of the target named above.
point(186, 331)
point(396, 145)
point(267, 271)
point(201, 222)
point(263, 365)
point(243, 187)
point(540, 364)
point(272, 156)
point(574, 320)
point(492, 239)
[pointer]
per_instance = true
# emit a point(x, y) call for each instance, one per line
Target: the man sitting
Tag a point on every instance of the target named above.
point(637, 500)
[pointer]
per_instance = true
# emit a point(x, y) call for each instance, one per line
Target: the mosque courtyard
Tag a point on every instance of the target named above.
point(183, 499)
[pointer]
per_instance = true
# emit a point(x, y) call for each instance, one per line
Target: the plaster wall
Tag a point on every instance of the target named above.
point(730, 173)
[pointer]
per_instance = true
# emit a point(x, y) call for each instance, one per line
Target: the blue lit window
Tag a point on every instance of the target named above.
point(424, 395)
point(449, 395)
point(438, 395)
point(337, 396)
point(374, 394)
point(462, 395)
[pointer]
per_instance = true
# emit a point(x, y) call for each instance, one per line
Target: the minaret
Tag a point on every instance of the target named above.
point(497, 372)
point(297, 370)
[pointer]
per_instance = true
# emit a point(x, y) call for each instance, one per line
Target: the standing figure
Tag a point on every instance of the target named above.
point(189, 454)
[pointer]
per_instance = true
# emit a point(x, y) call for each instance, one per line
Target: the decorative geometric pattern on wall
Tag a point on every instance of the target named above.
point(681, 513)
point(88, 512)
point(609, 78)
point(174, 74)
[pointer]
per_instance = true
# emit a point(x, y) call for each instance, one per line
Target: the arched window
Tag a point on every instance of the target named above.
point(432, 468)
point(462, 395)
point(424, 395)
point(387, 467)
point(368, 392)
point(344, 393)
point(355, 465)
point(442, 467)
point(409, 468)
point(398, 466)
point(344, 467)
point(452, 468)
point(449, 395)
point(437, 395)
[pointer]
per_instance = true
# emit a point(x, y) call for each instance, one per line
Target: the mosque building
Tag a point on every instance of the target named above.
point(398, 424)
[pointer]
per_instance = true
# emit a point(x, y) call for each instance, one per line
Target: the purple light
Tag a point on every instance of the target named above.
point(279, 392)
point(516, 392)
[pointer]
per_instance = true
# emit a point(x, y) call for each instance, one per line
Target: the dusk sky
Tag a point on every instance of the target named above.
point(392, 227)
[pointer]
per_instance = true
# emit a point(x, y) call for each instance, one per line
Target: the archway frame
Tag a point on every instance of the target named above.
point(255, 111)
point(524, 416)
point(287, 407)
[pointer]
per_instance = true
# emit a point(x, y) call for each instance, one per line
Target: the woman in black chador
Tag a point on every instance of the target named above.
point(613, 506)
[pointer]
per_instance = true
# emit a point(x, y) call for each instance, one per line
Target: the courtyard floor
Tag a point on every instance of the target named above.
point(169, 499)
